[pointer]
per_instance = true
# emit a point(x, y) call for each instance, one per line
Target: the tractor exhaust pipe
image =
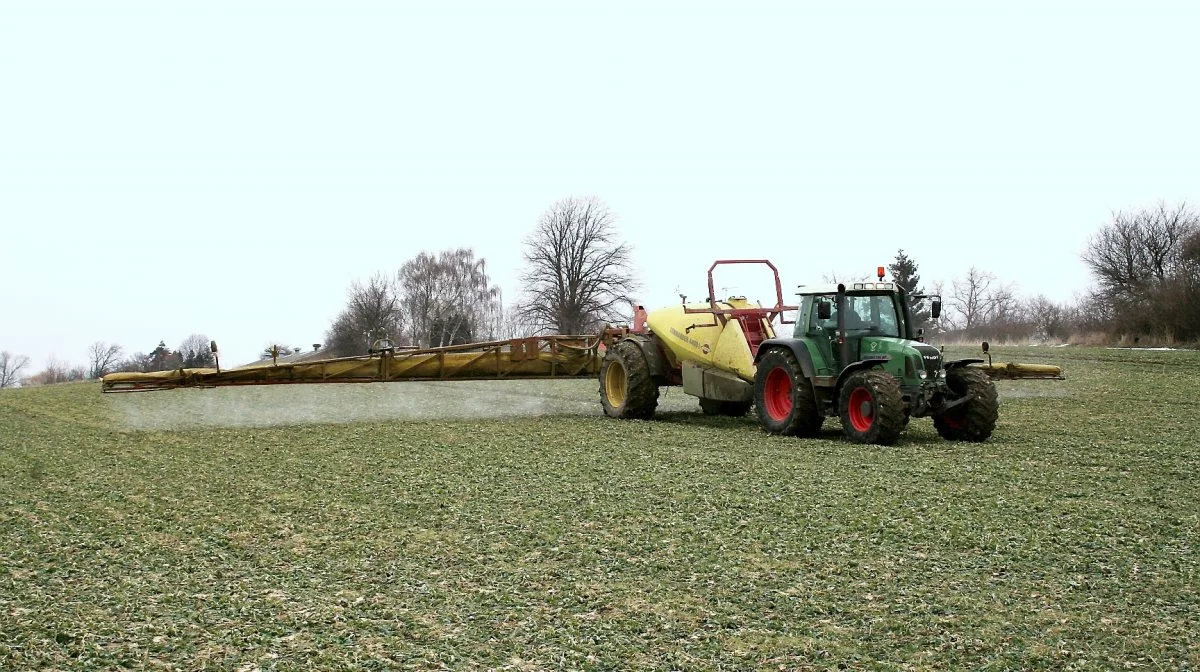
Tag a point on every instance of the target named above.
point(841, 325)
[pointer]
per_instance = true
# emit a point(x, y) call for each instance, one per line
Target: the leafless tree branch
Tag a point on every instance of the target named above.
point(10, 368)
point(103, 358)
point(578, 275)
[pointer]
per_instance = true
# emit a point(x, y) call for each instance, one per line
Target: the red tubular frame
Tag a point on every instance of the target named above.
point(723, 313)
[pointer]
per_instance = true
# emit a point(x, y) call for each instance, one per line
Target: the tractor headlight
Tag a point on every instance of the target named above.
point(942, 373)
point(922, 375)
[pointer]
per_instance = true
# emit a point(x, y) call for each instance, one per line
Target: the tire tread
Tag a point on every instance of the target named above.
point(641, 392)
point(890, 417)
point(982, 411)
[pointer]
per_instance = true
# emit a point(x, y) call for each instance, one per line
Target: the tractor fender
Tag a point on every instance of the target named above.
point(656, 361)
point(799, 350)
point(856, 367)
point(796, 346)
point(961, 362)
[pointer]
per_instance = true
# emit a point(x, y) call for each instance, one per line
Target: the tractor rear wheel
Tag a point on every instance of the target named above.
point(626, 388)
point(784, 398)
point(975, 419)
point(871, 407)
point(733, 409)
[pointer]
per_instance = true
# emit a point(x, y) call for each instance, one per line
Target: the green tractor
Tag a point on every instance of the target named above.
point(856, 355)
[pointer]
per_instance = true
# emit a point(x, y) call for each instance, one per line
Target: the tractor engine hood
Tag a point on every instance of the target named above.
point(901, 350)
point(931, 357)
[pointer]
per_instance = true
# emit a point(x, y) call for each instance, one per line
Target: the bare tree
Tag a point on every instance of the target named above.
point(196, 352)
point(447, 299)
point(1191, 249)
point(103, 358)
point(1141, 250)
point(371, 309)
point(138, 362)
point(945, 321)
point(56, 371)
point(511, 323)
point(1147, 265)
point(10, 368)
point(1002, 306)
point(1048, 319)
point(578, 274)
point(970, 298)
point(491, 320)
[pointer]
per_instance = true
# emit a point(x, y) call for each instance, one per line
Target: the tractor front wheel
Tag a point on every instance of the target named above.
point(871, 407)
point(784, 397)
point(626, 388)
point(974, 419)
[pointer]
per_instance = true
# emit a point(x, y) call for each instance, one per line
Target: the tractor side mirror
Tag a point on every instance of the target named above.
point(212, 345)
point(935, 310)
point(985, 346)
point(824, 310)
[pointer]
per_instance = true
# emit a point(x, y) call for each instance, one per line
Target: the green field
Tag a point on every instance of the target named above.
point(434, 529)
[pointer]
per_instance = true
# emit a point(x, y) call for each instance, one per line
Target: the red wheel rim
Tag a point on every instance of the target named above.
point(861, 409)
point(777, 394)
point(954, 422)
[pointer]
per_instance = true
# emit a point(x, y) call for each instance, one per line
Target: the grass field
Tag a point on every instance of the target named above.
point(166, 530)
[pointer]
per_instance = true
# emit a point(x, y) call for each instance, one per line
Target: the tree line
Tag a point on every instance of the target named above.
point(578, 275)
point(1146, 267)
point(105, 358)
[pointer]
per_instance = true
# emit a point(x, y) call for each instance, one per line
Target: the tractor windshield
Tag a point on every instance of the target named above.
point(866, 315)
point(874, 314)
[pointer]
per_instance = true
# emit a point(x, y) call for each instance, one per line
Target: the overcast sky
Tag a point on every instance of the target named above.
point(230, 168)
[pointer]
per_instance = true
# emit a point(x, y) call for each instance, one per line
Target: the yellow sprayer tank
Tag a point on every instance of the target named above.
point(709, 340)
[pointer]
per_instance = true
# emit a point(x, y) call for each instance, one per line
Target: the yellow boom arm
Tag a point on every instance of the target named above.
point(537, 357)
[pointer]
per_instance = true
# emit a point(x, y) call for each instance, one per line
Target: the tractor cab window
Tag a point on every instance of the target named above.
point(865, 316)
point(817, 326)
point(872, 315)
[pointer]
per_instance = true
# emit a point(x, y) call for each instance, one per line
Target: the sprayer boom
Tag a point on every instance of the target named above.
point(536, 357)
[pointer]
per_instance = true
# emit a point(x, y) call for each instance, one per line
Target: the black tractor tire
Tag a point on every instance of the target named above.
point(871, 407)
point(733, 409)
point(626, 387)
point(976, 419)
point(784, 398)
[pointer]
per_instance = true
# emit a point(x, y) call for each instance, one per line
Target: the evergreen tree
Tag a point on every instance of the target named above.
point(160, 357)
point(904, 273)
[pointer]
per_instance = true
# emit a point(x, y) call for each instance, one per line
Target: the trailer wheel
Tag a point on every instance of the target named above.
point(975, 419)
point(871, 407)
point(626, 388)
point(733, 409)
point(784, 397)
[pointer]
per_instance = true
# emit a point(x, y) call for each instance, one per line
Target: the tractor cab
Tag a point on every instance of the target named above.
point(868, 316)
point(877, 318)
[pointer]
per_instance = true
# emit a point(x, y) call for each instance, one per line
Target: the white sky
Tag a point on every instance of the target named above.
point(228, 168)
